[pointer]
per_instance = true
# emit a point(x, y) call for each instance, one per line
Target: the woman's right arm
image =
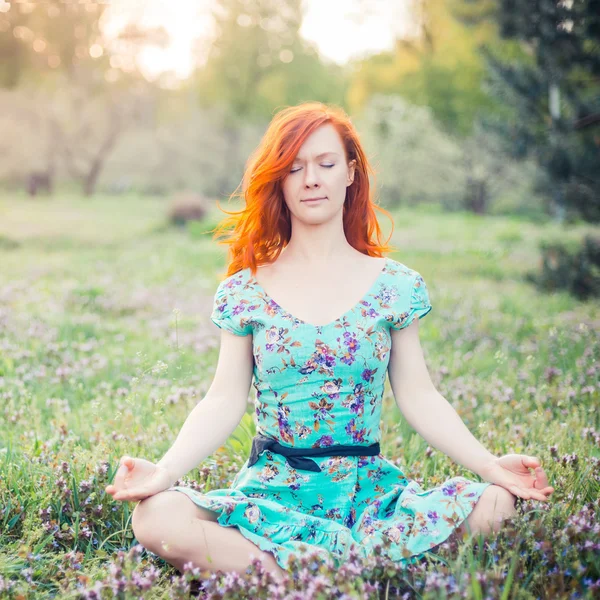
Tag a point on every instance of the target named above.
point(216, 417)
point(206, 428)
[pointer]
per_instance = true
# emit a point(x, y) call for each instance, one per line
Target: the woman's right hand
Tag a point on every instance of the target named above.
point(137, 479)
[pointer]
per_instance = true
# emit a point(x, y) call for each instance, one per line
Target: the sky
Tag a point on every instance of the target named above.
point(341, 29)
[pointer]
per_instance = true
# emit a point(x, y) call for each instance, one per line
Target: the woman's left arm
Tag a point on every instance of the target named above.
point(434, 418)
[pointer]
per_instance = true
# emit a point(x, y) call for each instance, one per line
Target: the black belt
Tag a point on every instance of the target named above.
point(294, 456)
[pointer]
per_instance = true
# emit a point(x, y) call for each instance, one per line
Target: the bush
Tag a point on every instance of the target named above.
point(7, 243)
point(187, 206)
point(417, 161)
point(583, 201)
point(575, 268)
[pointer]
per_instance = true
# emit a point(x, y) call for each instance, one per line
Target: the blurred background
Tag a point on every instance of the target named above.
point(125, 127)
point(487, 106)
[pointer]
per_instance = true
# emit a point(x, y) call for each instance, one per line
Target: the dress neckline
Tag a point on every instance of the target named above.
point(371, 289)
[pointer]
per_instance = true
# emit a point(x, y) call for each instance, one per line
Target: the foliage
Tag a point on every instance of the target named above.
point(66, 100)
point(552, 83)
point(437, 67)
point(573, 267)
point(580, 198)
point(191, 150)
point(39, 39)
point(72, 127)
point(416, 161)
point(258, 61)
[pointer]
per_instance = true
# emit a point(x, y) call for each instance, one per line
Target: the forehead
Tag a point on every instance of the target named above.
point(324, 141)
point(307, 156)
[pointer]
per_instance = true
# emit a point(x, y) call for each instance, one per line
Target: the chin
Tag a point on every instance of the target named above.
point(319, 217)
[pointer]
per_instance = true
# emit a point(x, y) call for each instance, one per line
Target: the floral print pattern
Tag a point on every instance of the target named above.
point(319, 385)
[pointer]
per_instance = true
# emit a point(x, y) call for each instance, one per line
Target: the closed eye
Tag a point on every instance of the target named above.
point(326, 166)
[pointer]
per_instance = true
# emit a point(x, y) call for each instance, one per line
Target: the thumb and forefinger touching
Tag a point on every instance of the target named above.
point(541, 488)
point(541, 479)
point(117, 489)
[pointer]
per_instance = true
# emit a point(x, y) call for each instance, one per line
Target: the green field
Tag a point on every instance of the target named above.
point(106, 345)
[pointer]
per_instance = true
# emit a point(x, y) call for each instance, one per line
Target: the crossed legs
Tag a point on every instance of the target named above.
point(170, 525)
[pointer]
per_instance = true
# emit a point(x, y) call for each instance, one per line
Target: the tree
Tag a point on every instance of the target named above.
point(438, 67)
point(257, 63)
point(92, 129)
point(63, 81)
point(551, 83)
point(40, 38)
point(258, 60)
point(416, 161)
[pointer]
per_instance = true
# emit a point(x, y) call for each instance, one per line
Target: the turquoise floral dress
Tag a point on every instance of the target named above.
point(319, 386)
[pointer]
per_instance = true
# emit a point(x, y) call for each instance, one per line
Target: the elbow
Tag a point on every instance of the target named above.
point(416, 393)
point(416, 402)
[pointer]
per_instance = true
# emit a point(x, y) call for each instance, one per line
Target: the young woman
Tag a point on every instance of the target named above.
point(314, 317)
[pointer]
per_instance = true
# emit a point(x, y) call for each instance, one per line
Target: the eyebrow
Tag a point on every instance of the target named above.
point(319, 155)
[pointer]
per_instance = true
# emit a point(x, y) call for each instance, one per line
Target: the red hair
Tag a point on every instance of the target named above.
point(258, 233)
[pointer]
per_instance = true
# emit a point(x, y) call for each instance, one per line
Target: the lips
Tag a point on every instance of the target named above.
point(314, 199)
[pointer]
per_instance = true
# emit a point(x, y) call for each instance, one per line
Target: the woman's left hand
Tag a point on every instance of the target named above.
point(511, 471)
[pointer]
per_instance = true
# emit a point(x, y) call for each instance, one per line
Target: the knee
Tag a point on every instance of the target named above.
point(497, 504)
point(150, 524)
point(500, 500)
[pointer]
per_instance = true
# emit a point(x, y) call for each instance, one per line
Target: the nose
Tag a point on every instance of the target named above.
point(310, 176)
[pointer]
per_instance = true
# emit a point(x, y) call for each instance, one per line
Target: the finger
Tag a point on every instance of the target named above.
point(541, 484)
point(128, 462)
point(538, 496)
point(547, 491)
point(132, 496)
point(119, 480)
point(123, 471)
point(131, 493)
point(123, 464)
point(517, 491)
point(531, 462)
point(531, 494)
point(541, 494)
point(541, 479)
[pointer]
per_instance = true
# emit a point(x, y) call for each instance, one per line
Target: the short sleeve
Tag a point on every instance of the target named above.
point(228, 311)
point(418, 304)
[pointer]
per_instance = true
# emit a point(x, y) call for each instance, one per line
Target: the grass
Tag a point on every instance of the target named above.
point(106, 345)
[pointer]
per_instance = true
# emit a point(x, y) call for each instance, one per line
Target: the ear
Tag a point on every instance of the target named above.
point(351, 171)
